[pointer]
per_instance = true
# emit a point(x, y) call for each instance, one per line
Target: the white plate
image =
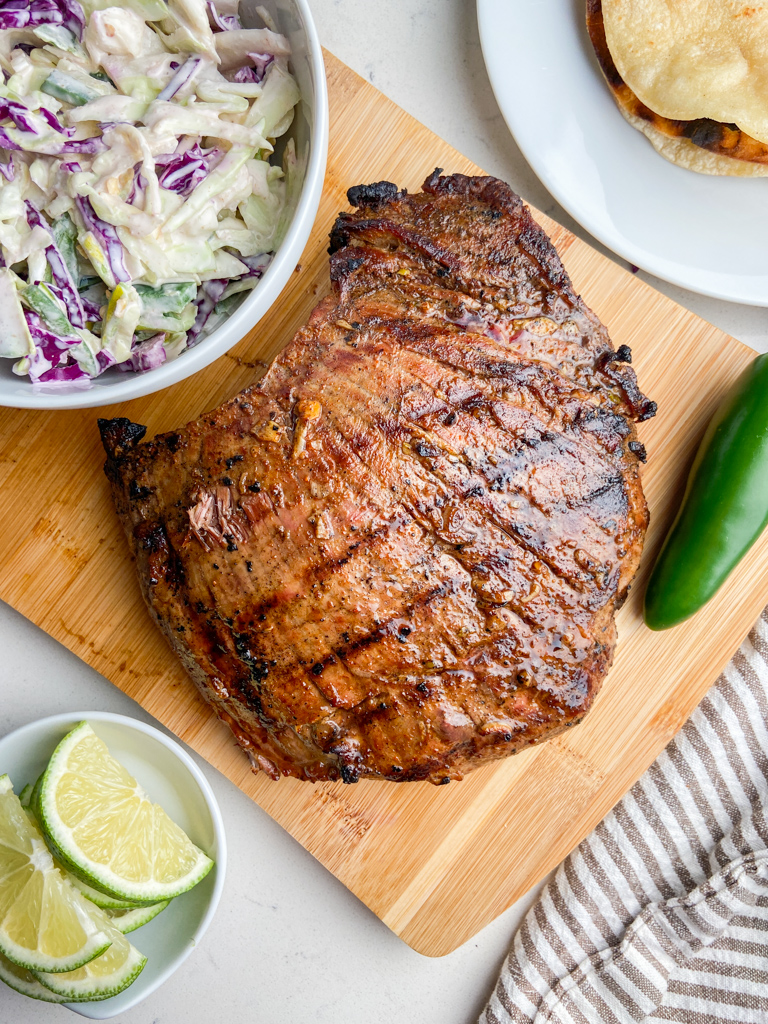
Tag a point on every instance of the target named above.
point(709, 234)
point(174, 781)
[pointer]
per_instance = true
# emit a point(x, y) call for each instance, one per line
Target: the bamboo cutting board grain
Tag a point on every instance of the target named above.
point(436, 864)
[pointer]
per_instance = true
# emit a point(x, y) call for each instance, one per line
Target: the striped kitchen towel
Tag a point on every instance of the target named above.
point(661, 914)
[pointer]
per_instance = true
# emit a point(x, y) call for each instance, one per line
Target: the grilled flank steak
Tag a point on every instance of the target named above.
point(399, 554)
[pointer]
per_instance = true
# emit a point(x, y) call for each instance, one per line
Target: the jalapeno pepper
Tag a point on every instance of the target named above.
point(724, 509)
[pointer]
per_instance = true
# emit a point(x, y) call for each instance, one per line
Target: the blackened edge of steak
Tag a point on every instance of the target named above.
point(120, 435)
point(644, 408)
point(373, 195)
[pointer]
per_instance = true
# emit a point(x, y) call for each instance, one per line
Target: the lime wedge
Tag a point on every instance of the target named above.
point(101, 899)
point(25, 982)
point(33, 796)
point(129, 920)
point(45, 924)
point(102, 825)
point(101, 978)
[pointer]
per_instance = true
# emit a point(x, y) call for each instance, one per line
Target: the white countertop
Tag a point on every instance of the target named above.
point(289, 944)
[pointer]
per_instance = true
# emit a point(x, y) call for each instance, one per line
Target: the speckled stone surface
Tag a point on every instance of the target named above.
point(289, 944)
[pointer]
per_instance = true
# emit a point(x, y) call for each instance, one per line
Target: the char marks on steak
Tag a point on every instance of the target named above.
point(400, 553)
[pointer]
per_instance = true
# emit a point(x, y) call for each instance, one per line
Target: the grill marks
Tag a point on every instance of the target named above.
point(499, 251)
point(490, 557)
point(398, 293)
point(218, 580)
point(378, 569)
point(502, 570)
point(384, 575)
point(499, 481)
point(427, 580)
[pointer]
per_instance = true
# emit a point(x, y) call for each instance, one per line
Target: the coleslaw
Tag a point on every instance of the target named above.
point(138, 197)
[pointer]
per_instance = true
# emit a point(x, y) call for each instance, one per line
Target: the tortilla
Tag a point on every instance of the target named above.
point(702, 144)
point(687, 154)
point(694, 59)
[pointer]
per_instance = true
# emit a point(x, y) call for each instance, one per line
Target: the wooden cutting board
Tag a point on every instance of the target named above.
point(436, 864)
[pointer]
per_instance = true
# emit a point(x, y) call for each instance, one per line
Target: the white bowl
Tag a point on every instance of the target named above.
point(310, 131)
point(174, 781)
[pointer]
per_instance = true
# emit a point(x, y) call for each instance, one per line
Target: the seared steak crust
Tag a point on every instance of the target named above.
point(399, 554)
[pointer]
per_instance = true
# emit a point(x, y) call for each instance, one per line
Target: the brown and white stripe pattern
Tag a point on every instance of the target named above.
point(662, 913)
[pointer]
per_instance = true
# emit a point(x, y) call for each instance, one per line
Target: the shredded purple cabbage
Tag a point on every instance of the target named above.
point(33, 13)
point(70, 374)
point(146, 355)
point(8, 171)
point(55, 123)
point(208, 295)
point(261, 64)
point(63, 286)
point(181, 151)
point(183, 178)
point(137, 184)
point(50, 349)
point(182, 76)
point(247, 75)
point(69, 299)
point(183, 172)
point(256, 264)
point(93, 145)
point(19, 114)
point(91, 309)
point(106, 236)
point(6, 142)
point(224, 22)
point(105, 360)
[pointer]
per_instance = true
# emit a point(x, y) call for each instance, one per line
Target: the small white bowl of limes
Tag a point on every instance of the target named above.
point(112, 860)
